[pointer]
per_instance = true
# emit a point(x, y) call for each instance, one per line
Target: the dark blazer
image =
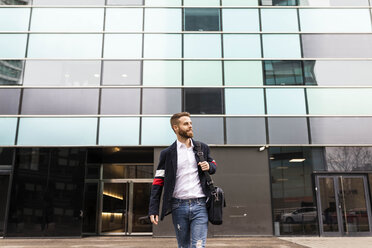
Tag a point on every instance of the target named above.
point(165, 177)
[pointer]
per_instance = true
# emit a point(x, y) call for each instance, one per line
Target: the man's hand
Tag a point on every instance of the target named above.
point(204, 165)
point(154, 219)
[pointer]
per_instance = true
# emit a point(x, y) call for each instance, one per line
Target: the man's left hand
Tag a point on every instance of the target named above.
point(204, 165)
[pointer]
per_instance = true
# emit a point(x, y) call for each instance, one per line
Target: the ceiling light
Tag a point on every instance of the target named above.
point(272, 158)
point(96, 75)
point(297, 160)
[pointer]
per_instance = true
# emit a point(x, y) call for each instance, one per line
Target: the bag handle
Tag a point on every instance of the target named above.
point(200, 154)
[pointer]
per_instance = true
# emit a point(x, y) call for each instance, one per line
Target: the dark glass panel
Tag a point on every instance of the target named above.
point(120, 171)
point(60, 101)
point(337, 45)
point(203, 101)
point(202, 19)
point(11, 72)
point(120, 101)
point(141, 201)
point(15, 2)
point(288, 131)
point(9, 101)
point(208, 130)
point(93, 171)
point(245, 131)
point(6, 156)
point(291, 72)
point(68, 2)
point(47, 192)
point(294, 206)
point(279, 2)
point(4, 184)
point(90, 208)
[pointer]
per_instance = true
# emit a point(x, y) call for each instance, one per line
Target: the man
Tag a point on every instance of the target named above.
point(181, 174)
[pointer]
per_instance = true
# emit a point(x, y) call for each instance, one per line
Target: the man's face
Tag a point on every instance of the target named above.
point(184, 127)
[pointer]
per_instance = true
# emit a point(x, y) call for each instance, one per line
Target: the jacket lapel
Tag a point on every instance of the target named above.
point(173, 150)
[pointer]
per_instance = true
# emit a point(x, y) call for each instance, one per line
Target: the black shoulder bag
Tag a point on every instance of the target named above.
point(216, 199)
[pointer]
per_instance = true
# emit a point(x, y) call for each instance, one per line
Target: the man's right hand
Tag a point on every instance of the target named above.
point(154, 219)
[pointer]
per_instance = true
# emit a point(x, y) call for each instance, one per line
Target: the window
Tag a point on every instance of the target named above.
point(67, 19)
point(9, 101)
point(279, 2)
point(334, 2)
point(254, 131)
point(279, 20)
point(243, 73)
point(202, 19)
point(121, 72)
point(286, 101)
point(123, 46)
point(120, 19)
point(240, 20)
point(15, 45)
point(59, 101)
point(240, 2)
point(162, 73)
point(11, 72)
point(241, 46)
point(202, 46)
point(164, 134)
point(209, 130)
point(120, 101)
point(163, 20)
point(201, 2)
point(203, 101)
point(206, 73)
point(244, 102)
point(65, 46)
point(335, 20)
point(281, 46)
point(161, 101)
point(163, 46)
point(14, 19)
point(64, 72)
point(125, 2)
point(8, 127)
point(119, 131)
point(57, 131)
point(68, 2)
point(288, 131)
point(163, 2)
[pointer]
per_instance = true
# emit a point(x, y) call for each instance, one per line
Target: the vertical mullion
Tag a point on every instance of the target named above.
point(142, 66)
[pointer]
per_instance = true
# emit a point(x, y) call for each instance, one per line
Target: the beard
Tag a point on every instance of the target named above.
point(186, 134)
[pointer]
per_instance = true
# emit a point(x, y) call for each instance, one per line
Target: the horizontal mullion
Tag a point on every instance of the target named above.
point(183, 7)
point(188, 59)
point(192, 115)
point(179, 32)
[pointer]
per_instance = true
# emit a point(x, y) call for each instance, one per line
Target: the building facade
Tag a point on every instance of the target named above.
point(280, 89)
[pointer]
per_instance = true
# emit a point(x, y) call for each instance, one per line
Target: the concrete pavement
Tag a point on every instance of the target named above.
point(334, 242)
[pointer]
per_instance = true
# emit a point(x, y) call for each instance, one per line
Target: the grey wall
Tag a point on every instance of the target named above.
point(243, 173)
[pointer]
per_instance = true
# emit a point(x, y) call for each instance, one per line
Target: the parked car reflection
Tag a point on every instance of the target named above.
point(300, 215)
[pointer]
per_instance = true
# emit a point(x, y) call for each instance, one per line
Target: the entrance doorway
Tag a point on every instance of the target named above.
point(124, 207)
point(343, 205)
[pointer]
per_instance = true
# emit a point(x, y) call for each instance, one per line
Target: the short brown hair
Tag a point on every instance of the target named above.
point(174, 119)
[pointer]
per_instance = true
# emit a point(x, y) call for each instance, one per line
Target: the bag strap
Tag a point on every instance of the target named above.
point(206, 173)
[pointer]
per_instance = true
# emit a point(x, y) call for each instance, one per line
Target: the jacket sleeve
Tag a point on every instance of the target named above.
point(157, 186)
point(211, 161)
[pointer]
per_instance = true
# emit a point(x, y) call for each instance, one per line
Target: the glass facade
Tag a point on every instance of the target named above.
point(253, 73)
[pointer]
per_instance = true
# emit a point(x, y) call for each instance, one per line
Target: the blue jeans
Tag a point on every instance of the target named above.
point(190, 220)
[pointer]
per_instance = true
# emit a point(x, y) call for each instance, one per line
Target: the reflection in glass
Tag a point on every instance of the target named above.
point(244, 101)
point(9, 101)
point(15, 2)
point(279, 2)
point(241, 46)
point(210, 130)
point(60, 101)
point(163, 20)
point(15, 45)
point(162, 73)
point(6, 156)
point(286, 101)
point(119, 131)
point(240, 2)
point(254, 131)
point(8, 127)
point(120, 101)
point(294, 206)
point(67, 19)
point(202, 19)
point(288, 130)
point(63, 72)
point(164, 134)
point(47, 192)
point(341, 130)
point(240, 20)
point(337, 45)
point(121, 73)
point(335, 20)
point(203, 101)
point(279, 20)
point(202, 46)
point(120, 19)
point(68, 2)
point(344, 159)
point(161, 101)
point(242, 73)
point(4, 184)
point(90, 208)
point(121, 171)
point(141, 201)
point(289, 72)
point(163, 46)
point(14, 19)
point(115, 207)
point(57, 131)
point(281, 46)
point(206, 73)
point(11, 72)
point(123, 46)
point(328, 204)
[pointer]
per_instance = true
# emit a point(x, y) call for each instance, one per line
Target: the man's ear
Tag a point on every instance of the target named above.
point(175, 128)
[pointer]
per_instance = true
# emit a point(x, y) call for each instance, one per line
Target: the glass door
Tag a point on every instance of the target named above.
point(343, 206)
